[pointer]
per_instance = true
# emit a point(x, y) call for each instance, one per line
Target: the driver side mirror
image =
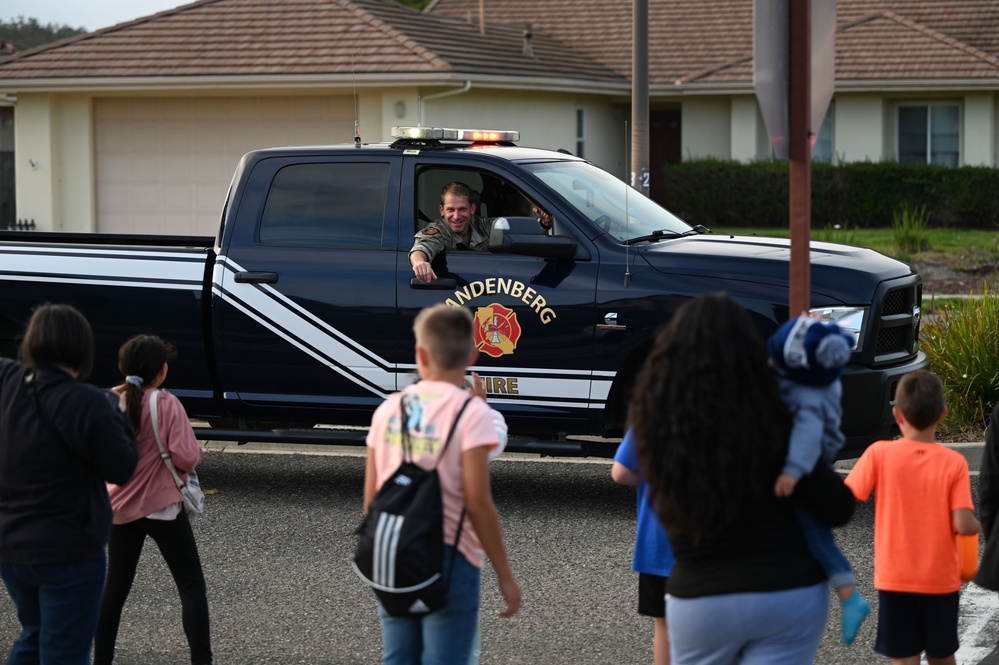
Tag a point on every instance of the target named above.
point(522, 235)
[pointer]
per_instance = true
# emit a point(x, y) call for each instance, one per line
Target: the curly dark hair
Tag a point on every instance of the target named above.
point(709, 424)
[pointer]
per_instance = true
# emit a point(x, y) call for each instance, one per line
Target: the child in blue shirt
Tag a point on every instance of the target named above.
point(653, 558)
point(809, 356)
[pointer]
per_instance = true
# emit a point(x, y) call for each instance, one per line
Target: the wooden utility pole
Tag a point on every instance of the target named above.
point(800, 154)
point(640, 97)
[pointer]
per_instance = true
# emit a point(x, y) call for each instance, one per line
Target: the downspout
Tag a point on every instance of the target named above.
point(439, 95)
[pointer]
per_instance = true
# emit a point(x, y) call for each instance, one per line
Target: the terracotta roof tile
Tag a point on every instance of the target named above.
point(711, 42)
point(302, 37)
point(574, 40)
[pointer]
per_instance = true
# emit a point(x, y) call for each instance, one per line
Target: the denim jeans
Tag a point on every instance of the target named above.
point(57, 606)
point(768, 628)
point(175, 539)
point(443, 637)
point(822, 544)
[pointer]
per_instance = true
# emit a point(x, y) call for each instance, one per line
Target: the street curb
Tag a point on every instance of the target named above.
point(972, 452)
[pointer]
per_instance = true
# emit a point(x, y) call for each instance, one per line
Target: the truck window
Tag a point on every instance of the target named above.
point(326, 204)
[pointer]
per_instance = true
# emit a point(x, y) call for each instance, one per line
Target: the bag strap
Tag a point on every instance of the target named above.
point(407, 449)
point(47, 422)
point(164, 455)
point(461, 520)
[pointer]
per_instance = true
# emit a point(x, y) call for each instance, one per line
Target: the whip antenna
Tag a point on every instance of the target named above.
point(357, 124)
point(627, 233)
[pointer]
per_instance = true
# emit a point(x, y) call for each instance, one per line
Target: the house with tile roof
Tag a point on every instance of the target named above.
point(138, 127)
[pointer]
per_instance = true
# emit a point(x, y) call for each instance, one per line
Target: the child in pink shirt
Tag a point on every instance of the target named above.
point(444, 348)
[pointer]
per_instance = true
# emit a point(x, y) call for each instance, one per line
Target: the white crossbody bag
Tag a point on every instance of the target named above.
point(194, 498)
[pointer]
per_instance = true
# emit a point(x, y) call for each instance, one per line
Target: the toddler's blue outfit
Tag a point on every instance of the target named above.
point(809, 356)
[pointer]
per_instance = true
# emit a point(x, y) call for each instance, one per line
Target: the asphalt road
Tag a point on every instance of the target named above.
point(277, 538)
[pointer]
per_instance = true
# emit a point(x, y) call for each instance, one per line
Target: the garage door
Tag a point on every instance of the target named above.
point(164, 164)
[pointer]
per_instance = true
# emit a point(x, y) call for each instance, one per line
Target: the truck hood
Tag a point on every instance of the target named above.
point(847, 274)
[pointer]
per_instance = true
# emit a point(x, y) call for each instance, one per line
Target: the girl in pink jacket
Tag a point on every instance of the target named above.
point(151, 505)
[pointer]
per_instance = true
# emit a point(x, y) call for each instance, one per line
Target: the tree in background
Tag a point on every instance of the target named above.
point(28, 32)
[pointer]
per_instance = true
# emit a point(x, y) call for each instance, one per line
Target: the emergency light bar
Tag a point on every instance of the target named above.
point(446, 134)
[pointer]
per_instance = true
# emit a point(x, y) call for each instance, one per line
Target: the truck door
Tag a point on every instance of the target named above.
point(533, 316)
point(304, 291)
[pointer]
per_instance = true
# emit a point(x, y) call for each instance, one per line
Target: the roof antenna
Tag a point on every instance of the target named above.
point(357, 125)
point(627, 242)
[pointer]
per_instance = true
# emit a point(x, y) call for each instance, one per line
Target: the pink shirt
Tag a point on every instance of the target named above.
point(151, 487)
point(433, 407)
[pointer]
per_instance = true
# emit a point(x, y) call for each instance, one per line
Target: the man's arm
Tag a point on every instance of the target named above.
point(421, 266)
point(545, 220)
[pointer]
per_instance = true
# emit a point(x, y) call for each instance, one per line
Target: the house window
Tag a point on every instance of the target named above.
point(326, 204)
point(822, 150)
point(929, 134)
point(580, 135)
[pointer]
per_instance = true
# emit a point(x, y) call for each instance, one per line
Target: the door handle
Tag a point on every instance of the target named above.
point(251, 277)
point(440, 284)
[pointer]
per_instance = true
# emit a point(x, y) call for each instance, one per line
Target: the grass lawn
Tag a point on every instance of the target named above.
point(952, 242)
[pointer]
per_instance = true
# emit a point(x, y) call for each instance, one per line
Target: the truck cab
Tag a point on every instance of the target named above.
point(313, 297)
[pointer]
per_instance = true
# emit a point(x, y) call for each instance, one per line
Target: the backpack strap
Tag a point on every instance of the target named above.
point(461, 520)
point(407, 449)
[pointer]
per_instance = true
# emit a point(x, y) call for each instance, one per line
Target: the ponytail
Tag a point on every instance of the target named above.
point(140, 359)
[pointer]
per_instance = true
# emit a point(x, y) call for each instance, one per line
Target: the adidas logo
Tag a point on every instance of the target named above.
point(419, 607)
point(405, 481)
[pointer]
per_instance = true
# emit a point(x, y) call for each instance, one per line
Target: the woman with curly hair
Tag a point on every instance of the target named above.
point(712, 432)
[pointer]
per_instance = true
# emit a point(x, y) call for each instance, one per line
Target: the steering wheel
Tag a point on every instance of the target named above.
point(604, 222)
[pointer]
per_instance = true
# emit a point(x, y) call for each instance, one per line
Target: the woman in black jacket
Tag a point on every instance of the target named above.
point(61, 440)
point(712, 435)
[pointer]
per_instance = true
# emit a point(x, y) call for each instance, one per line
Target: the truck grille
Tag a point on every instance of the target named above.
point(898, 321)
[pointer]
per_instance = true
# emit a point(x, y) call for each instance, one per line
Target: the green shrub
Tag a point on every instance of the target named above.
point(726, 193)
point(962, 344)
point(910, 229)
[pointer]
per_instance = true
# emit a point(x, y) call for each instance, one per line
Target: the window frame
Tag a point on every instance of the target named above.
point(928, 130)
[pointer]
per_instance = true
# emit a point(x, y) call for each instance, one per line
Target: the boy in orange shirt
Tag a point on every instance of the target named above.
point(923, 498)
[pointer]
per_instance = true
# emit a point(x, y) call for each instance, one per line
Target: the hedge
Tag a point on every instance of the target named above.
point(720, 193)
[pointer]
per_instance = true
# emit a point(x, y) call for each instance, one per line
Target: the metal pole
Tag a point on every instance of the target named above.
point(640, 98)
point(800, 153)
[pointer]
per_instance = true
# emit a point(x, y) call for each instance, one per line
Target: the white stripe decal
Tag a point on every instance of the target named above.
point(161, 270)
point(299, 327)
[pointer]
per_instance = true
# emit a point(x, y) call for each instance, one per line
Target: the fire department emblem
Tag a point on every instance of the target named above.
point(496, 330)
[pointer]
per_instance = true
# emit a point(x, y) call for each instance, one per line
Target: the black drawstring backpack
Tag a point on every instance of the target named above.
point(400, 550)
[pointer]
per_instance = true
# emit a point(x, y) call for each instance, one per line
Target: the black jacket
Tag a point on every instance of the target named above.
point(764, 550)
point(54, 504)
point(988, 507)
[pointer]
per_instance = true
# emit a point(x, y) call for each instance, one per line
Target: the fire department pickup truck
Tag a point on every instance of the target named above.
point(298, 315)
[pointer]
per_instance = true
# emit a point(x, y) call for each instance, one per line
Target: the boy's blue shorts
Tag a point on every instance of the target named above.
point(910, 623)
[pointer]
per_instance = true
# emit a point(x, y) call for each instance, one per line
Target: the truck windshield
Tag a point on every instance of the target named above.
point(608, 202)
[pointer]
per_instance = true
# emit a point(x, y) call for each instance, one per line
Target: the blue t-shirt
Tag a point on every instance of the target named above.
point(653, 555)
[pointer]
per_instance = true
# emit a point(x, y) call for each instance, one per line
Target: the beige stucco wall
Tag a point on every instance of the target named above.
point(58, 132)
point(35, 124)
point(745, 128)
point(979, 130)
point(706, 128)
point(544, 120)
point(860, 132)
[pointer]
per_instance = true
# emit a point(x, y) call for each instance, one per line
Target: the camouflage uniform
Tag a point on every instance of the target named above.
point(438, 236)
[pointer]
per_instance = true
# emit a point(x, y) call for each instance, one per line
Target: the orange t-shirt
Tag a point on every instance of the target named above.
point(918, 487)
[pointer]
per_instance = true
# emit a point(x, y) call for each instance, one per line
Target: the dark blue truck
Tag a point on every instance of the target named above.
point(298, 315)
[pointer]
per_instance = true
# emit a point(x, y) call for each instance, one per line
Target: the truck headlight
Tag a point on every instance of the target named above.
point(847, 318)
